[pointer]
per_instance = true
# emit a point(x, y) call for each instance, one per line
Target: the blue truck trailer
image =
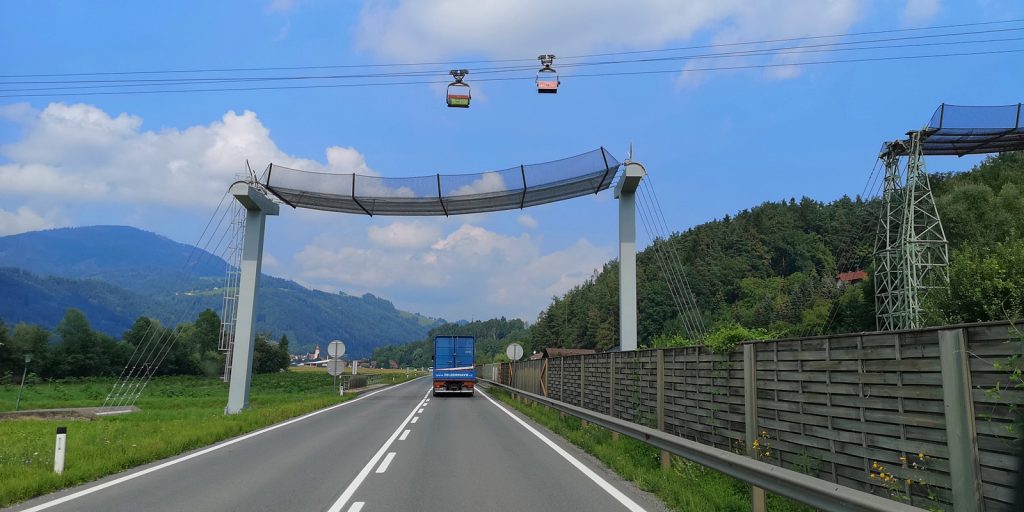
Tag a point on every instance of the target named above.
point(453, 364)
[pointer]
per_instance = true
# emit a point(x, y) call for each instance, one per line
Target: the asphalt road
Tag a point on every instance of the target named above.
point(394, 449)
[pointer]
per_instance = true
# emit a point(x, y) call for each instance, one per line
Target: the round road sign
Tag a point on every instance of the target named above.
point(335, 367)
point(336, 348)
point(514, 351)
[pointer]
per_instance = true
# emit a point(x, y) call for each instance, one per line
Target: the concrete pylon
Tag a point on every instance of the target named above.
point(625, 192)
point(257, 207)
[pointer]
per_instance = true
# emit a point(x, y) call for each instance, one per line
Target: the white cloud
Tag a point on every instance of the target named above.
point(432, 29)
point(767, 20)
point(488, 182)
point(404, 235)
point(79, 152)
point(25, 219)
point(920, 12)
point(527, 221)
point(471, 270)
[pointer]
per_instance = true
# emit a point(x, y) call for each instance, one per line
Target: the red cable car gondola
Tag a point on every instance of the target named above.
point(458, 91)
point(547, 77)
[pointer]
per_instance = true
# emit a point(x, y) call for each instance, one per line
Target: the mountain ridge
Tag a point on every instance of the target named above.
point(118, 273)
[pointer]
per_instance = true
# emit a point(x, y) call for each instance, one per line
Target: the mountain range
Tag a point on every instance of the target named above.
point(115, 274)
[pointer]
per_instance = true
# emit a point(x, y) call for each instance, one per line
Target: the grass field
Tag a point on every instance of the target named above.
point(178, 414)
point(687, 486)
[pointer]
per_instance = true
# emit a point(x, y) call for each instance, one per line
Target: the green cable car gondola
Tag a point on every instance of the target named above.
point(458, 91)
point(547, 77)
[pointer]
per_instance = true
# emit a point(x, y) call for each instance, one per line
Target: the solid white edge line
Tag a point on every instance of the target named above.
point(404, 435)
point(387, 462)
point(358, 480)
point(601, 482)
point(414, 420)
point(183, 458)
point(357, 506)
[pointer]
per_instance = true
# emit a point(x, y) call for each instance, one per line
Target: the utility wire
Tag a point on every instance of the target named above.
point(672, 268)
point(464, 63)
point(782, 50)
point(681, 272)
point(153, 340)
point(503, 79)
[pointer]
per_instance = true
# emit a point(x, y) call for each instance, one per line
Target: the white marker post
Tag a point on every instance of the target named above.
point(58, 450)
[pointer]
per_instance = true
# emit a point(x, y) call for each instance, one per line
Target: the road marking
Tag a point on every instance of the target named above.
point(387, 462)
point(357, 506)
point(601, 482)
point(404, 435)
point(183, 458)
point(414, 420)
point(358, 480)
point(421, 411)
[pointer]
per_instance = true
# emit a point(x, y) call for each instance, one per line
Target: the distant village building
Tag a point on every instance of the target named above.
point(848, 278)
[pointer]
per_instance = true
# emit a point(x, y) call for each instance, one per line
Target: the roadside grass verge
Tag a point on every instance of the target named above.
point(687, 486)
point(178, 414)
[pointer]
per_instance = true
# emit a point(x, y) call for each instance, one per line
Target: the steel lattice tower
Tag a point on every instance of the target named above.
point(915, 261)
point(887, 244)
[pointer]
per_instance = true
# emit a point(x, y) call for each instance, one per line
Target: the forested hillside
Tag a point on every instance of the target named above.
point(492, 336)
point(114, 274)
point(773, 268)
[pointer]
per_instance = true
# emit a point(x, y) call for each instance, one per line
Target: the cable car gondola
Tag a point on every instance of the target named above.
point(547, 77)
point(458, 91)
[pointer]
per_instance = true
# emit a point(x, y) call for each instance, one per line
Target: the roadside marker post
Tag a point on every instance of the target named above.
point(58, 450)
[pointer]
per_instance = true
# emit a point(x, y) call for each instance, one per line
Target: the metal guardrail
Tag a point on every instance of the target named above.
point(806, 489)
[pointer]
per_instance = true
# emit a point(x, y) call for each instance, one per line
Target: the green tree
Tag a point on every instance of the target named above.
point(984, 284)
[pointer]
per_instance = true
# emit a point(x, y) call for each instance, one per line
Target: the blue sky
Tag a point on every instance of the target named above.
point(714, 142)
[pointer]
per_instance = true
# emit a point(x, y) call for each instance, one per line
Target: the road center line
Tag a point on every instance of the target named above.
point(404, 435)
point(387, 462)
point(183, 458)
point(358, 480)
point(601, 482)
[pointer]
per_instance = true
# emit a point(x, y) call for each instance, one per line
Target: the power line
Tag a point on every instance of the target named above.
point(496, 61)
point(786, 50)
point(501, 79)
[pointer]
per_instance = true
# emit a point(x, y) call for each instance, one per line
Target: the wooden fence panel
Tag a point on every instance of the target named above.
point(831, 407)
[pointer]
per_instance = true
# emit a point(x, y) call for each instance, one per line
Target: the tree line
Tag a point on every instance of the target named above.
point(492, 336)
point(770, 271)
point(74, 349)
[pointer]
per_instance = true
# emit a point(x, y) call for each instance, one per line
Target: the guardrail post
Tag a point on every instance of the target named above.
point(961, 437)
point(758, 502)
point(666, 457)
point(583, 381)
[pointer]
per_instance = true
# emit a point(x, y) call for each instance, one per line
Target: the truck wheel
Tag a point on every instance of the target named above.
point(435, 393)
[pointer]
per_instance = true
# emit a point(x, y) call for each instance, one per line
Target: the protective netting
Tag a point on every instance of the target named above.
point(965, 130)
point(445, 194)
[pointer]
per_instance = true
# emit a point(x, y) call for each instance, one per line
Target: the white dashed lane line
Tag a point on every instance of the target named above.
point(342, 500)
point(387, 462)
point(404, 435)
point(357, 506)
point(414, 420)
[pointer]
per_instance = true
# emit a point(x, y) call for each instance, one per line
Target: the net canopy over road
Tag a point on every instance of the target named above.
point(445, 194)
point(968, 130)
